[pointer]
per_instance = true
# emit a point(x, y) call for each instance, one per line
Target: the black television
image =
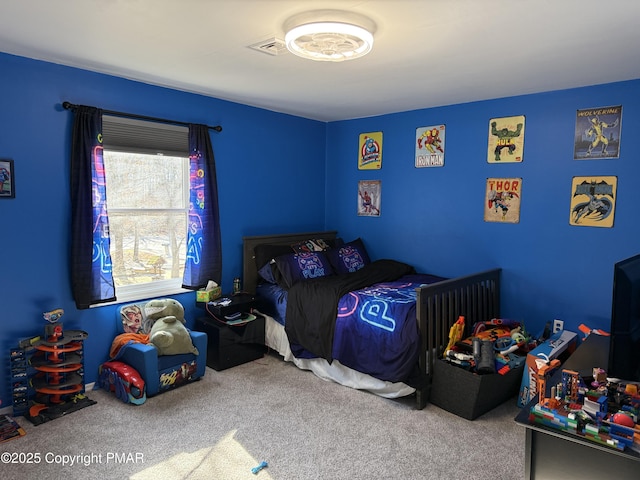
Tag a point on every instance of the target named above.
point(624, 343)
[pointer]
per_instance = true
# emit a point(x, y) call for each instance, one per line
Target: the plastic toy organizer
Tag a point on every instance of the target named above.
point(47, 375)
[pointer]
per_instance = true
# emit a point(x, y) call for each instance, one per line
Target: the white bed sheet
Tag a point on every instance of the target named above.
point(276, 339)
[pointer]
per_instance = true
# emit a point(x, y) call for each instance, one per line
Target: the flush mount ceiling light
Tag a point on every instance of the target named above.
point(329, 35)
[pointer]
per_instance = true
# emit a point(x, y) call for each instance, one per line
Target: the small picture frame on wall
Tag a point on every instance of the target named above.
point(369, 192)
point(593, 201)
point(598, 133)
point(430, 146)
point(7, 179)
point(502, 200)
point(506, 140)
point(370, 151)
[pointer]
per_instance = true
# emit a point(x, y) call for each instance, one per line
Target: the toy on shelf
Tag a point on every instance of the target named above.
point(52, 366)
point(607, 413)
point(586, 331)
point(557, 347)
point(542, 375)
point(54, 315)
point(20, 386)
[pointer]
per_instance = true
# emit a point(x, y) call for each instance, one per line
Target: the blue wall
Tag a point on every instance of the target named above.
point(263, 159)
point(278, 173)
point(433, 218)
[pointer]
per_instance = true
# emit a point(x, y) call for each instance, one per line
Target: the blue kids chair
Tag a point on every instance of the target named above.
point(159, 372)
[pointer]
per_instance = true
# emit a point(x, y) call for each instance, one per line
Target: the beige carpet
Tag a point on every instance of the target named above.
point(226, 459)
point(305, 428)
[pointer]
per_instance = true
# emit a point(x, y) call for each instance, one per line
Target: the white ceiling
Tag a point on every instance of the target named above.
point(426, 53)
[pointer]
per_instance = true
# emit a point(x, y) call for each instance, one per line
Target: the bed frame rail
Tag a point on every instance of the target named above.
point(476, 297)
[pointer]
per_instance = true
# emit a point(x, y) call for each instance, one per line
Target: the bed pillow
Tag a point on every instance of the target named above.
point(264, 253)
point(349, 257)
point(266, 272)
point(295, 267)
point(311, 245)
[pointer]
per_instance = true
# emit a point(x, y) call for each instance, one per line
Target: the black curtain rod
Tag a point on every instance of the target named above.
point(71, 106)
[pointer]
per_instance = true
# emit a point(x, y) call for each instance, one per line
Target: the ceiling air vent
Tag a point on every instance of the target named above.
point(272, 46)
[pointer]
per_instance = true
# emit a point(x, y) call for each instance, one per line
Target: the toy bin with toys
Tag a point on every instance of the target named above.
point(478, 372)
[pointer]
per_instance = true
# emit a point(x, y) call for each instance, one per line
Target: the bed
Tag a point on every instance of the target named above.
point(411, 311)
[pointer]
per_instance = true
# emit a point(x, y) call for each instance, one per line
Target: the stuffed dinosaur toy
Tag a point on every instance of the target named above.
point(168, 333)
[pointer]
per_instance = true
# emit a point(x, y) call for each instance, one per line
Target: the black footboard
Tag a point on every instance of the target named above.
point(439, 305)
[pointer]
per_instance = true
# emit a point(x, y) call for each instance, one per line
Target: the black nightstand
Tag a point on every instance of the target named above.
point(228, 346)
point(238, 302)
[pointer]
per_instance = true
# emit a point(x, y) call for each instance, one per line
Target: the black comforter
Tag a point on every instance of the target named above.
point(312, 304)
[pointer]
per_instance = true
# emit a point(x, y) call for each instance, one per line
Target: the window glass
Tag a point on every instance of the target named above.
point(147, 204)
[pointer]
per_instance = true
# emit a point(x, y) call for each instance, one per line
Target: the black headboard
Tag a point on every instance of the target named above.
point(249, 270)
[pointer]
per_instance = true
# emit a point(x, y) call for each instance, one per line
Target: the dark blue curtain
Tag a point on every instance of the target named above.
point(91, 269)
point(204, 250)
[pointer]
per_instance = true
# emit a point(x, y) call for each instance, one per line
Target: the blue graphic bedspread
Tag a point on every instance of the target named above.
point(376, 331)
point(312, 305)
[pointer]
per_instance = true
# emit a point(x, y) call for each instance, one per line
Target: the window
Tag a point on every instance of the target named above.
point(91, 266)
point(147, 187)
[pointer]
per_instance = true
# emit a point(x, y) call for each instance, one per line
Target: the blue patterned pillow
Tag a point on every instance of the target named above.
point(296, 267)
point(349, 257)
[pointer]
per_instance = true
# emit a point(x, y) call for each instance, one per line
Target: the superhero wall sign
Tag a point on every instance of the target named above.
point(430, 146)
point(369, 193)
point(593, 201)
point(502, 200)
point(597, 133)
point(370, 151)
point(506, 139)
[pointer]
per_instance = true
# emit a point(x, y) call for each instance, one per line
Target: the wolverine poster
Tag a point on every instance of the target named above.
point(597, 133)
point(593, 201)
point(502, 200)
point(506, 140)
